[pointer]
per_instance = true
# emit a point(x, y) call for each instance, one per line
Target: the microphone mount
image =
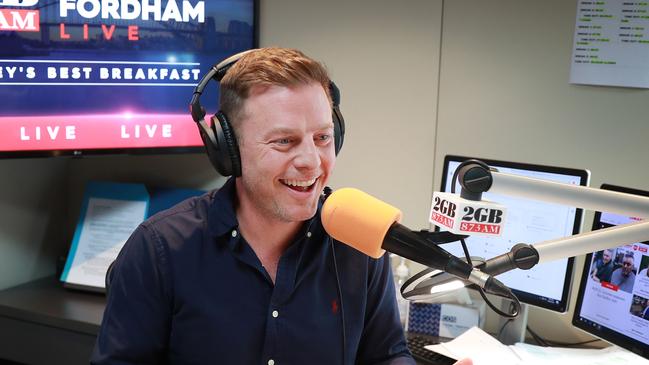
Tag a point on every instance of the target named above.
point(477, 177)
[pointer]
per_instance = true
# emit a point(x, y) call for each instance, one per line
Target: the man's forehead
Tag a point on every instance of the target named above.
point(260, 89)
point(273, 109)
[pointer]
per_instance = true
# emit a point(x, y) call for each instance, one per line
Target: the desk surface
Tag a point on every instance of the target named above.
point(46, 302)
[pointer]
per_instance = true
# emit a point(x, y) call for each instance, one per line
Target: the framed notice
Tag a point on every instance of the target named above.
point(109, 214)
point(611, 44)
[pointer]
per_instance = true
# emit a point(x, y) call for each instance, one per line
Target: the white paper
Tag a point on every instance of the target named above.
point(611, 44)
point(483, 349)
point(479, 346)
point(532, 354)
point(106, 226)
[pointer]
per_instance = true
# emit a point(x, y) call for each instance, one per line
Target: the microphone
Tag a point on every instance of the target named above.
point(371, 226)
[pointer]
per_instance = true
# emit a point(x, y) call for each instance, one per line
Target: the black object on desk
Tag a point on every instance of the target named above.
point(43, 323)
point(416, 343)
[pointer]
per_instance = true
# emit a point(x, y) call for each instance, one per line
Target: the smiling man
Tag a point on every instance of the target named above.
point(247, 274)
point(624, 276)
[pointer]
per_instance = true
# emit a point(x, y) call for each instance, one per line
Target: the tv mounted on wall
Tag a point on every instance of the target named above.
point(111, 76)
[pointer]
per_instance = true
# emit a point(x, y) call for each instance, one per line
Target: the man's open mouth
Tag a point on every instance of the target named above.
point(299, 185)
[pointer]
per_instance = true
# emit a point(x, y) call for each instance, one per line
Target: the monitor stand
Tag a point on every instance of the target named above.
point(514, 331)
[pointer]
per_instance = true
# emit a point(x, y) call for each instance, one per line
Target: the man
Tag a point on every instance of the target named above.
point(603, 267)
point(624, 276)
point(247, 275)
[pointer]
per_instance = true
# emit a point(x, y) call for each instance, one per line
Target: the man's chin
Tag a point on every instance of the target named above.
point(302, 214)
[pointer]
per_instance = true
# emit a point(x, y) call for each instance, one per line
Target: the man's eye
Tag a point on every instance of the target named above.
point(324, 137)
point(283, 141)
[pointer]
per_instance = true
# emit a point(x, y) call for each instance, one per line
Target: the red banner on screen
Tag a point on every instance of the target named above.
point(71, 132)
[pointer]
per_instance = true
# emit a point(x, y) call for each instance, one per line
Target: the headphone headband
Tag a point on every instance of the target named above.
point(219, 138)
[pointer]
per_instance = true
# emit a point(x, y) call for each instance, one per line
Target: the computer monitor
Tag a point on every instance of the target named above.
point(613, 298)
point(528, 221)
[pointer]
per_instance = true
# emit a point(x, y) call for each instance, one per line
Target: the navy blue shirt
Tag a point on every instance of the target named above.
point(188, 289)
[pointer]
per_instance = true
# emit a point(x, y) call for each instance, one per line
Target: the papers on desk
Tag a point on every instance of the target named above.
point(109, 214)
point(478, 345)
point(483, 349)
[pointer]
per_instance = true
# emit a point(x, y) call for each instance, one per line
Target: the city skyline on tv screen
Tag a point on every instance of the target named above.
point(111, 75)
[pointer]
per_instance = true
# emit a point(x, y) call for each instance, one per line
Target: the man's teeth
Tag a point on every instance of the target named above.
point(300, 183)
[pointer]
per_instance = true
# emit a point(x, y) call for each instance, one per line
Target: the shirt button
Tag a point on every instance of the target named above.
point(271, 362)
point(308, 234)
point(275, 314)
point(234, 233)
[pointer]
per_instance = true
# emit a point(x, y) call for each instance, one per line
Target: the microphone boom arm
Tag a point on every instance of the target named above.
point(582, 197)
point(524, 256)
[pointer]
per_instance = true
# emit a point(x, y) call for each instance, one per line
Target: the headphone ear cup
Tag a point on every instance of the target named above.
point(337, 116)
point(339, 129)
point(227, 138)
point(221, 145)
point(210, 141)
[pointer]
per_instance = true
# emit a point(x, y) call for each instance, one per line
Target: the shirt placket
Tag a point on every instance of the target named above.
point(284, 285)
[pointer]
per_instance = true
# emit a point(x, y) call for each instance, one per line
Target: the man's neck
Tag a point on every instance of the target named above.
point(272, 234)
point(267, 236)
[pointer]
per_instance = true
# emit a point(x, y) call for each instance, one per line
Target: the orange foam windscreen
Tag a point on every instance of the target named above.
point(358, 220)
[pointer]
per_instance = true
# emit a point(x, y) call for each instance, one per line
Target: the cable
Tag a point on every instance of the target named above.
point(540, 340)
point(545, 342)
point(515, 302)
point(508, 321)
point(340, 295)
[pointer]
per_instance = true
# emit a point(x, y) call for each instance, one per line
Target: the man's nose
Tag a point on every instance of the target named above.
point(307, 156)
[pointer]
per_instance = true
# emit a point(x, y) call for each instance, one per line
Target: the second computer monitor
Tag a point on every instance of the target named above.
point(528, 221)
point(613, 298)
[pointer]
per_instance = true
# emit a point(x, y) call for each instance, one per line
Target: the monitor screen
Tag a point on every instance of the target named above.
point(613, 298)
point(97, 76)
point(528, 221)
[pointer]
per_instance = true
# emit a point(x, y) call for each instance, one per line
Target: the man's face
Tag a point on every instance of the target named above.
point(627, 265)
point(607, 256)
point(287, 151)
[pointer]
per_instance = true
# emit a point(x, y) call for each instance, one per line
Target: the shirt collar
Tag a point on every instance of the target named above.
point(222, 216)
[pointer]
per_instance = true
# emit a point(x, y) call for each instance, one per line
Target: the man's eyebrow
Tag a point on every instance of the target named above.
point(325, 125)
point(280, 130)
point(287, 130)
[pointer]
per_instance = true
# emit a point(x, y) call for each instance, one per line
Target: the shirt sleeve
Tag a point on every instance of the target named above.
point(135, 325)
point(382, 341)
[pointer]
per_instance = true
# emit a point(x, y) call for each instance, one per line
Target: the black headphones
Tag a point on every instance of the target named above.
point(219, 139)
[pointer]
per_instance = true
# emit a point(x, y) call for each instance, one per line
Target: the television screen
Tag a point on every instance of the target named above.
point(111, 76)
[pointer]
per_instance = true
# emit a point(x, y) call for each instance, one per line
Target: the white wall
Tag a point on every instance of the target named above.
point(383, 55)
point(504, 94)
point(32, 207)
